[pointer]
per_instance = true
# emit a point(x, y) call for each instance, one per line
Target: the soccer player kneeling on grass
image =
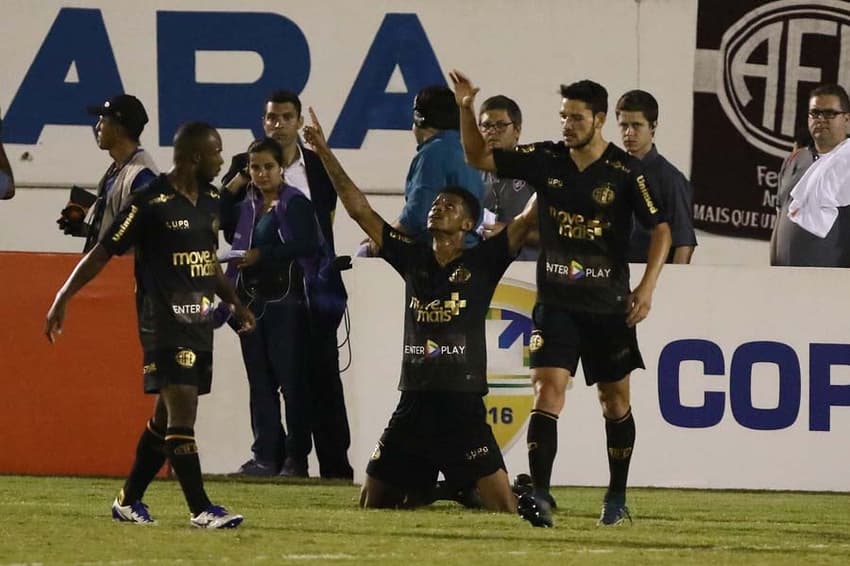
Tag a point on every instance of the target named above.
point(440, 422)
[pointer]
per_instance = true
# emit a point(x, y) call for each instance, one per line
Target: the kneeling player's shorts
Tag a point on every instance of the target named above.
point(433, 432)
point(177, 366)
point(607, 348)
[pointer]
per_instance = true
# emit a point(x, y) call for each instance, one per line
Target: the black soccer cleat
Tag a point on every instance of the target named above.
point(522, 484)
point(534, 510)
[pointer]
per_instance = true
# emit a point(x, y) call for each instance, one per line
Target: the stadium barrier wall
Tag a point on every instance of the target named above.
point(747, 382)
point(359, 64)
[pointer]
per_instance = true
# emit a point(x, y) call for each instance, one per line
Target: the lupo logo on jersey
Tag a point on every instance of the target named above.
point(772, 57)
point(508, 333)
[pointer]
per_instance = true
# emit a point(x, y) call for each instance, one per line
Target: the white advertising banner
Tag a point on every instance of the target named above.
point(358, 63)
point(747, 381)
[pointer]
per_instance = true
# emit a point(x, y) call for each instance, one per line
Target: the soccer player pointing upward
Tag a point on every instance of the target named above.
point(587, 191)
point(440, 422)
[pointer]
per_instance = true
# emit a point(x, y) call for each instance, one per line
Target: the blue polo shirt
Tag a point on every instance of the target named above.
point(439, 162)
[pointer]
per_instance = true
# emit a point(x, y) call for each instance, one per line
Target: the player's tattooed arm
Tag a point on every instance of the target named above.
point(224, 289)
point(353, 199)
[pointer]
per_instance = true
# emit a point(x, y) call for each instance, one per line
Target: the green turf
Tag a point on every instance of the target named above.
point(67, 521)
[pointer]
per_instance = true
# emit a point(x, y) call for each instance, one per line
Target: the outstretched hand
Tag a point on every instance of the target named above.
point(313, 133)
point(465, 91)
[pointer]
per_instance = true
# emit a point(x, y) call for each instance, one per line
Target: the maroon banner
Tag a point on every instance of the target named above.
point(755, 64)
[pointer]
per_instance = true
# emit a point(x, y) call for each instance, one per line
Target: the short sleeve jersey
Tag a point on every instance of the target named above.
point(585, 220)
point(445, 311)
point(175, 245)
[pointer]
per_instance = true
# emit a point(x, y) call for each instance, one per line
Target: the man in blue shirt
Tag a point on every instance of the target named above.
point(637, 116)
point(439, 162)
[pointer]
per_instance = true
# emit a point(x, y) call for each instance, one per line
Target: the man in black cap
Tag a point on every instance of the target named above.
point(439, 162)
point(121, 120)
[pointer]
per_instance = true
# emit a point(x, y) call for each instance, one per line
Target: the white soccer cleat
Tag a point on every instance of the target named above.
point(216, 517)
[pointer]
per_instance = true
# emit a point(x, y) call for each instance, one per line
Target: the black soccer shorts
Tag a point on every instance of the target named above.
point(432, 432)
point(607, 348)
point(177, 366)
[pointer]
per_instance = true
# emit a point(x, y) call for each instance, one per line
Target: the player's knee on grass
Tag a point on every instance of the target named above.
point(495, 492)
point(376, 494)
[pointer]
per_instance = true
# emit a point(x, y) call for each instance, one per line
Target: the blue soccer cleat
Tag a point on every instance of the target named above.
point(136, 512)
point(614, 512)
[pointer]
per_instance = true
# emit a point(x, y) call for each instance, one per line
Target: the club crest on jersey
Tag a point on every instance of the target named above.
point(161, 199)
point(185, 358)
point(604, 194)
point(460, 275)
point(518, 185)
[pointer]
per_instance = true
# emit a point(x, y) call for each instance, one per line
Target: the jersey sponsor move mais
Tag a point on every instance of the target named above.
point(585, 222)
point(445, 310)
point(175, 245)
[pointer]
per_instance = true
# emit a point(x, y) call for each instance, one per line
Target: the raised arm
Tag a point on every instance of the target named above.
point(474, 147)
point(352, 198)
point(522, 226)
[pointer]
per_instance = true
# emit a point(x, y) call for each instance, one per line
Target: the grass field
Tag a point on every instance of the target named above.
point(67, 521)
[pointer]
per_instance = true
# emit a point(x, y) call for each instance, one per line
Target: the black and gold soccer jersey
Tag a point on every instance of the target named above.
point(445, 311)
point(585, 222)
point(175, 250)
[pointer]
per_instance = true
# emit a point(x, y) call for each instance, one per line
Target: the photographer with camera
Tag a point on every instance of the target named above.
point(121, 120)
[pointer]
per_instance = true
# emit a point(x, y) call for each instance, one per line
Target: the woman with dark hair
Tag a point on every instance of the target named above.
point(273, 227)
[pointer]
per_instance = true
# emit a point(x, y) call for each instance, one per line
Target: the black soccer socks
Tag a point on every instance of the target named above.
point(183, 453)
point(620, 434)
point(150, 456)
point(542, 446)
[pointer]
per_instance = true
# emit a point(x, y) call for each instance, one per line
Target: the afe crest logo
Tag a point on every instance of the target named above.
point(771, 58)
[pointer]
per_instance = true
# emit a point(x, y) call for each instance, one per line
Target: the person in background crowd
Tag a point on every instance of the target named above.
point(120, 123)
point(320, 397)
point(500, 122)
point(637, 116)
point(791, 245)
point(438, 163)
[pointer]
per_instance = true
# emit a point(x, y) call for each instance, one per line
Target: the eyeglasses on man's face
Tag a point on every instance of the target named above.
point(828, 114)
point(497, 127)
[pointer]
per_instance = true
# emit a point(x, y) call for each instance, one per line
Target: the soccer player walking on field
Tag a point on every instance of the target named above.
point(587, 190)
point(173, 226)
